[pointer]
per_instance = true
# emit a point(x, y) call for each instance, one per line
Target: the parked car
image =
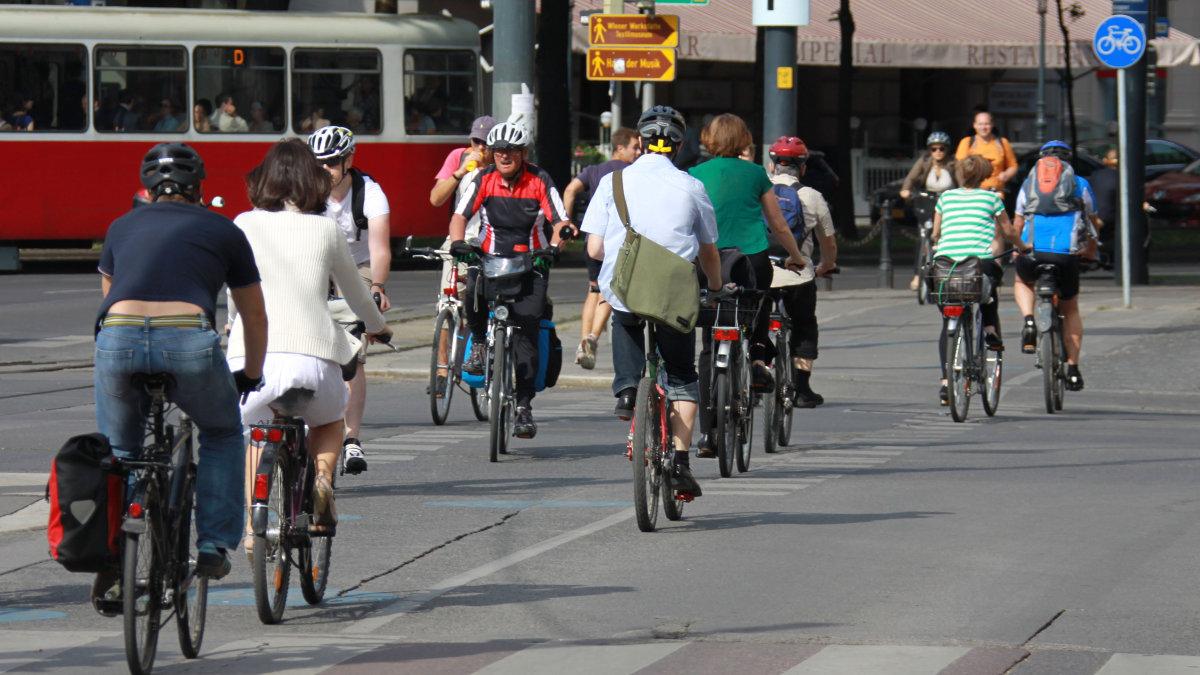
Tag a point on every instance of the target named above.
point(1161, 155)
point(1174, 196)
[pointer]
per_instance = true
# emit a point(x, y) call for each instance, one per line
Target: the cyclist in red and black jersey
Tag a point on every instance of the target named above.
point(520, 210)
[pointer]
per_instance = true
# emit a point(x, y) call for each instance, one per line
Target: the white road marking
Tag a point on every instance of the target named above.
point(22, 647)
point(51, 342)
point(32, 517)
point(878, 660)
point(391, 612)
point(1142, 664)
point(581, 660)
point(389, 458)
point(749, 493)
point(21, 479)
point(747, 485)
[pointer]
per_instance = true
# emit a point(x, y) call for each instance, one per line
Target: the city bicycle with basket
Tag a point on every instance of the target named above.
point(450, 334)
point(958, 288)
point(159, 546)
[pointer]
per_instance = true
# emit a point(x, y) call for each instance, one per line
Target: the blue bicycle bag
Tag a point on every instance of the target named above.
point(549, 359)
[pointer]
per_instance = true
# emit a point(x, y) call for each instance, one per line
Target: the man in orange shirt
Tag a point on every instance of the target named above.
point(994, 149)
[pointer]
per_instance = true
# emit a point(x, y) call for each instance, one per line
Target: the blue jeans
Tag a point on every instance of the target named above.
point(204, 389)
point(678, 352)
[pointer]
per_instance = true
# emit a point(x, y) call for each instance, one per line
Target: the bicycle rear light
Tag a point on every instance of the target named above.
point(726, 334)
point(274, 435)
point(261, 486)
point(776, 324)
point(952, 311)
point(257, 434)
point(135, 510)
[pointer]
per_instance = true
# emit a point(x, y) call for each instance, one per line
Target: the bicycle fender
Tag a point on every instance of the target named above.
point(951, 325)
point(1042, 316)
point(721, 358)
point(259, 512)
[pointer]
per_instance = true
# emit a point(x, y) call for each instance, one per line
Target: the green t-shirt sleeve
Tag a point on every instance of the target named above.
point(999, 207)
point(764, 181)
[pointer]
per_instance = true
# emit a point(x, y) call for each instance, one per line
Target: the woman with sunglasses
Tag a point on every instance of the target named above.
point(933, 173)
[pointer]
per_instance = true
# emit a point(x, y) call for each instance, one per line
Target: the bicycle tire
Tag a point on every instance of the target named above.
point(958, 389)
point(922, 261)
point(786, 404)
point(644, 432)
point(1046, 357)
point(672, 505)
point(496, 403)
point(141, 587)
point(726, 432)
point(989, 391)
point(314, 558)
point(1060, 363)
point(191, 590)
point(439, 407)
point(477, 404)
point(271, 568)
point(770, 409)
point(745, 440)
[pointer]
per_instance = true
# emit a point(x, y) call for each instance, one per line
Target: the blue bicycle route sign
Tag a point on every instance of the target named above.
point(1119, 41)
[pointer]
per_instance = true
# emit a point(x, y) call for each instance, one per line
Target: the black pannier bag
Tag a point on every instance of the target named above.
point(87, 504)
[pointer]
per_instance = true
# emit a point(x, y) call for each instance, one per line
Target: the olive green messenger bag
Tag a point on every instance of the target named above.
point(653, 282)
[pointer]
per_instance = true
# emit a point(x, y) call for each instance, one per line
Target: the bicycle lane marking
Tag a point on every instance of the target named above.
point(391, 612)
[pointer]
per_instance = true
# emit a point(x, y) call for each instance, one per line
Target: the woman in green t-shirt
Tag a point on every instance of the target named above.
point(742, 198)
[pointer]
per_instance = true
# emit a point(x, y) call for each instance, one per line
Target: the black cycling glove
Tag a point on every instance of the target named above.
point(246, 384)
point(462, 252)
point(546, 260)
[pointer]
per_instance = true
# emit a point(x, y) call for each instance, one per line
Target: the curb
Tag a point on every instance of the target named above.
point(574, 381)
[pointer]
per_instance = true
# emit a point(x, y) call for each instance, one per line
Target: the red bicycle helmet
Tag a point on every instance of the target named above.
point(790, 149)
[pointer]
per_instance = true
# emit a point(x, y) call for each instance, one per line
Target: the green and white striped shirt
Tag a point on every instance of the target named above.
point(968, 222)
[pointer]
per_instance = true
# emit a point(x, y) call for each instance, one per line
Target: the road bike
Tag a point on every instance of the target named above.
point(450, 333)
point(282, 510)
point(649, 446)
point(968, 360)
point(1119, 38)
point(159, 557)
point(503, 277)
point(732, 400)
point(1051, 350)
point(923, 204)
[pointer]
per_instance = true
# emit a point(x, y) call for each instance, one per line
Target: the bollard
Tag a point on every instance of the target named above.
point(886, 274)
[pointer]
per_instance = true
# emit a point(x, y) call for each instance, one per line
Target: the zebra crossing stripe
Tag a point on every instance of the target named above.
point(869, 659)
point(555, 659)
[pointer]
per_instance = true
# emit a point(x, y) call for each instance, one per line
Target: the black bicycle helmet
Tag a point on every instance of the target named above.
point(172, 168)
point(662, 127)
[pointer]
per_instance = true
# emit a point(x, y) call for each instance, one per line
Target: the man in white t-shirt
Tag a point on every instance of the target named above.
point(364, 219)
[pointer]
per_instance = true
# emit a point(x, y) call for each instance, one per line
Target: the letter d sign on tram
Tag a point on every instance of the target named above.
point(1119, 41)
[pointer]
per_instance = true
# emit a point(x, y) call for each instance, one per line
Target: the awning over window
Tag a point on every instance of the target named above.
point(893, 34)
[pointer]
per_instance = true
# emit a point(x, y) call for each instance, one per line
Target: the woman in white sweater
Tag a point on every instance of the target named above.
point(298, 251)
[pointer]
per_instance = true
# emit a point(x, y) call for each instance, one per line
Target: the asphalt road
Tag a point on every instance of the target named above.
point(887, 539)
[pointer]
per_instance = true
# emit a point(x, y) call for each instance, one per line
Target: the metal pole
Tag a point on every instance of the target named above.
point(614, 88)
point(1123, 199)
point(887, 277)
point(647, 95)
point(513, 44)
point(1041, 81)
point(779, 105)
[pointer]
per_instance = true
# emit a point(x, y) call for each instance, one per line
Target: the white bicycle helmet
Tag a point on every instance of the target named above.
point(511, 133)
point(331, 142)
point(938, 138)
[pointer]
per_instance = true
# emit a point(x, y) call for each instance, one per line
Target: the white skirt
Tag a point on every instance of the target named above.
point(283, 371)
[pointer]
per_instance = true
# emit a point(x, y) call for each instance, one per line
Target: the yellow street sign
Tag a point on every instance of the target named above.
point(783, 77)
point(652, 65)
point(633, 30)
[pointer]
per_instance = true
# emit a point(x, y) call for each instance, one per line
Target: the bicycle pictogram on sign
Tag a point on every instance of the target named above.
point(1119, 41)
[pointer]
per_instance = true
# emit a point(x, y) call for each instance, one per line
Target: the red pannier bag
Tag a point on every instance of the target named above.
point(87, 504)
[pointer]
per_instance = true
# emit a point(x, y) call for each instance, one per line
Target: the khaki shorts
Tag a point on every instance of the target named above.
point(364, 273)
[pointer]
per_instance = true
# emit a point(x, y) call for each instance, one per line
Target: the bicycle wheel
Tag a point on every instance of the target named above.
point(478, 405)
point(314, 558)
point(142, 588)
point(745, 439)
point(444, 334)
point(1049, 360)
point(1060, 367)
point(770, 409)
point(191, 590)
point(956, 373)
point(497, 406)
point(271, 568)
point(725, 429)
point(785, 396)
point(922, 282)
point(989, 392)
point(645, 444)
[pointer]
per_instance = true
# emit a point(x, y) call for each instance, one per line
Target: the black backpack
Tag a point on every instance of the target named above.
point(358, 196)
point(87, 505)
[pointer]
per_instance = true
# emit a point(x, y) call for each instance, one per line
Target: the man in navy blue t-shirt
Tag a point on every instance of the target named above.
point(162, 267)
point(627, 147)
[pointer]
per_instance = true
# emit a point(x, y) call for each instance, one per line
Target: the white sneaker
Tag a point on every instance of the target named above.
point(353, 459)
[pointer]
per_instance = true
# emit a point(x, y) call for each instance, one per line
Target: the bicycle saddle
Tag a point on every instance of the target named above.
point(150, 381)
point(293, 402)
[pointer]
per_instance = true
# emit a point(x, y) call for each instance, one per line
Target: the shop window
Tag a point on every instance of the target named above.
point(239, 90)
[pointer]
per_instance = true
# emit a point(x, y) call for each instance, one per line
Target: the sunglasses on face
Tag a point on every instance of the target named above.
point(937, 149)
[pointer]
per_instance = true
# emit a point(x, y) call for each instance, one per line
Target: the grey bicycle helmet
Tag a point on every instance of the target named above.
point(661, 123)
point(172, 168)
point(332, 142)
point(938, 138)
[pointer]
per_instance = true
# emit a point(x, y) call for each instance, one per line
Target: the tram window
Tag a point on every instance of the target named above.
point(336, 87)
point(141, 89)
point(439, 91)
point(245, 86)
point(43, 87)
